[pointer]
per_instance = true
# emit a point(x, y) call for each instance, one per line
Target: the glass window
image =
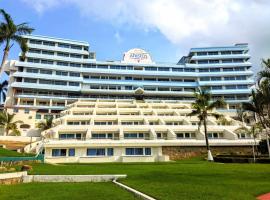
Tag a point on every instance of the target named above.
point(63, 45)
point(61, 73)
point(30, 80)
point(201, 53)
point(74, 84)
point(134, 151)
point(75, 74)
point(74, 64)
point(110, 152)
point(148, 151)
point(31, 70)
point(177, 69)
point(71, 152)
point(163, 69)
point(76, 47)
point(44, 71)
point(59, 152)
point(95, 152)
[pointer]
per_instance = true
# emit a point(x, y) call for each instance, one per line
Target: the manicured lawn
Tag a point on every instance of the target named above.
point(9, 153)
point(189, 179)
point(64, 191)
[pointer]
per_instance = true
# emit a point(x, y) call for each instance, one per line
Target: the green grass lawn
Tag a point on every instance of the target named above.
point(189, 179)
point(9, 153)
point(64, 191)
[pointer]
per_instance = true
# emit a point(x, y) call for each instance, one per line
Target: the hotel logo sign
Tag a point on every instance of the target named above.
point(137, 56)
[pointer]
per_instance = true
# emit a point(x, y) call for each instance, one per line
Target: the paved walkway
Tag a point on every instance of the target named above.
point(264, 197)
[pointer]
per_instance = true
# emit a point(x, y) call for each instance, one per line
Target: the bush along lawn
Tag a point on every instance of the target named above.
point(190, 179)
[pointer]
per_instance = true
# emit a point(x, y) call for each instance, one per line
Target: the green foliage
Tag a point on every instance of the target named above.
point(7, 122)
point(45, 124)
point(203, 108)
point(11, 32)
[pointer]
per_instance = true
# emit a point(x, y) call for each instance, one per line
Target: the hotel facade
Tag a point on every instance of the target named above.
point(121, 110)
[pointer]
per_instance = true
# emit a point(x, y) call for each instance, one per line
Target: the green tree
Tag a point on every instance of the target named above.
point(258, 104)
point(253, 131)
point(45, 124)
point(203, 108)
point(265, 73)
point(11, 33)
point(7, 122)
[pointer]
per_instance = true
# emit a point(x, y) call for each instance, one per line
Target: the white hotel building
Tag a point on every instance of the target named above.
point(129, 110)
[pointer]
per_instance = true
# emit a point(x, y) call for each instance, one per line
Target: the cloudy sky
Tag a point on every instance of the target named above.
point(165, 28)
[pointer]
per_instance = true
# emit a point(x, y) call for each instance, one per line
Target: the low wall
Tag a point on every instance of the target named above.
point(71, 178)
point(181, 152)
point(12, 178)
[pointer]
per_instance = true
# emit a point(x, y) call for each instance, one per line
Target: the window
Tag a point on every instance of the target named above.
point(110, 152)
point(205, 79)
point(213, 53)
point(74, 74)
point(63, 45)
point(189, 70)
point(215, 70)
point(215, 78)
point(150, 68)
point(74, 64)
point(15, 110)
point(134, 151)
point(35, 41)
point(31, 70)
point(216, 87)
point(148, 151)
point(59, 152)
point(213, 61)
point(202, 61)
point(71, 152)
point(47, 62)
point(47, 52)
point(42, 81)
point(38, 116)
point(241, 77)
point(76, 47)
point(74, 84)
point(230, 87)
point(163, 69)
point(177, 69)
point(61, 73)
point(26, 111)
point(34, 51)
point(62, 63)
point(60, 83)
point(47, 43)
point(30, 80)
point(201, 53)
point(95, 152)
point(75, 55)
point(43, 71)
point(203, 70)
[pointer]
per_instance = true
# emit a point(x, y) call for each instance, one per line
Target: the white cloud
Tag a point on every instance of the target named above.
point(118, 37)
point(185, 23)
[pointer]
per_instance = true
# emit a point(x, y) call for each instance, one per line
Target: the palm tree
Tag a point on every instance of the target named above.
point(45, 124)
point(254, 131)
point(203, 108)
point(10, 32)
point(266, 72)
point(257, 106)
point(3, 90)
point(7, 122)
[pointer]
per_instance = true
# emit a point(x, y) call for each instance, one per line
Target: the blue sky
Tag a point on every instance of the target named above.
point(165, 28)
point(107, 40)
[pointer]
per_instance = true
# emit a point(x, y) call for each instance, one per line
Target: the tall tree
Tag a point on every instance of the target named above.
point(11, 33)
point(7, 122)
point(257, 105)
point(203, 108)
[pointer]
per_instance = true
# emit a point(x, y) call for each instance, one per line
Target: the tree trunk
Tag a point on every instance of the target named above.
point(209, 154)
point(4, 59)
